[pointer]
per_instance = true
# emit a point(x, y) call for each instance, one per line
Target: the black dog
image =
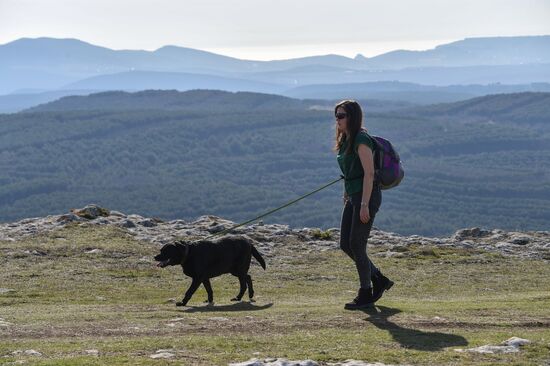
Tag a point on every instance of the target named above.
point(205, 259)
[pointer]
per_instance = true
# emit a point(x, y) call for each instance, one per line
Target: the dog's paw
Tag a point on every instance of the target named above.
point(181, 303)
point(252, 300)
point(235, 299)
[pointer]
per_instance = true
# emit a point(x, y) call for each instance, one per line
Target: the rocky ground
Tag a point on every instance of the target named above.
point(525, 244)
point(83, 288)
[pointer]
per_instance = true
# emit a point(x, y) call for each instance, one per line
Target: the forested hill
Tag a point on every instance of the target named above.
point(528, 107)
point(214, 101)
point(172, 100)
point(236, 155)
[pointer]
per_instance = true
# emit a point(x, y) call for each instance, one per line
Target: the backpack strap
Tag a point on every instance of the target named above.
point(376, 179)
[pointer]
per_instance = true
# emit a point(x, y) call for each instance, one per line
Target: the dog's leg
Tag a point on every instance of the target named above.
point(208, 288)
point(250, 288)
point(194, 286)
point(242, 282)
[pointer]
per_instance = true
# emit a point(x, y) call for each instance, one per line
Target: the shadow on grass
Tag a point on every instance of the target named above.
point(411, 338)
point(238, 306)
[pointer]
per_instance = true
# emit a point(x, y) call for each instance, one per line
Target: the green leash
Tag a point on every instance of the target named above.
point(276, 209)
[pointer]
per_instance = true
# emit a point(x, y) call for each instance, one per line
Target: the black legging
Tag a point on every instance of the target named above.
point(354, 234)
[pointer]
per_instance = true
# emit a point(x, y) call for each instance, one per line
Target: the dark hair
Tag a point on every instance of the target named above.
point(354, 125)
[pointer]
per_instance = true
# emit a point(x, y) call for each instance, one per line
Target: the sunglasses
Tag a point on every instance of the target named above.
point(341, 115)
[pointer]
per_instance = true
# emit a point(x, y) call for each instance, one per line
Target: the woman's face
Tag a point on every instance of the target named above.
point(341, 119)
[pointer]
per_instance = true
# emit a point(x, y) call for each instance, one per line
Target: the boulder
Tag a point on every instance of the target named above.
point(474, 232)
point(91, 212)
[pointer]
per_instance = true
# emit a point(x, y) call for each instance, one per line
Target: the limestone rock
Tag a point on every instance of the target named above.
point(28, 352)
point(516, 342)
point(91, 212)
point(520, 240)
point(285, 362)
point(127, 224)
point(528, 244)
point(510, 345)
point(164, 354)
point(275, 362)
point(490, 349)
point(147, 223)
point(357, 363)
point(474, 232)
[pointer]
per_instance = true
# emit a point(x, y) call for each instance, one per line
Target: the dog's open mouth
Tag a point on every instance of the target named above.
point(163, 264)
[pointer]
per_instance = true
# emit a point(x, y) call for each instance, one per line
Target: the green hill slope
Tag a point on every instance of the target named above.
point(241, 157)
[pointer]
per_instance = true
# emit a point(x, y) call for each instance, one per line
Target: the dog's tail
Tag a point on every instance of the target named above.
point(258, 256)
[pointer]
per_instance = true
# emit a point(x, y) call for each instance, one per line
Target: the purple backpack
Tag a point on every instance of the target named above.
point(387, 164)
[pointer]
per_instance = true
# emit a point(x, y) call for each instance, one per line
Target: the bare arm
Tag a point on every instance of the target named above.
point(367, 161)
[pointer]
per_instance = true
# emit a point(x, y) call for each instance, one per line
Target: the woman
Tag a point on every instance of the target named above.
point(362, 198)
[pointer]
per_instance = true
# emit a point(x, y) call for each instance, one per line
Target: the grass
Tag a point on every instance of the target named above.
point(323, 235)
point(83, 288)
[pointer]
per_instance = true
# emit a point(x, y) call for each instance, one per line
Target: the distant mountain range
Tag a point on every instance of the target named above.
point(47, 64)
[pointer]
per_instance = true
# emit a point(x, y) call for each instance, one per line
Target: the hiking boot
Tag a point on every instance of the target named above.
point(380, 283)
point(363, 300)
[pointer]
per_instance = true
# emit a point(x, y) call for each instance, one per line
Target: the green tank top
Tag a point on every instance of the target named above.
point(350, 164)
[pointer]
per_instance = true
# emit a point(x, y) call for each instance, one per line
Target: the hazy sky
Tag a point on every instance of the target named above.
point(274, 29)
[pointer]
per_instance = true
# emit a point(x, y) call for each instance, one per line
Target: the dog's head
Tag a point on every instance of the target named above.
point(172, 254)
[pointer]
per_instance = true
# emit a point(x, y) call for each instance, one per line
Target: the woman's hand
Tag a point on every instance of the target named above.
point(364, 214)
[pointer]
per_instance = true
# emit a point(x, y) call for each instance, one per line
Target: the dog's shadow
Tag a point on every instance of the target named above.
point(238, 306)
point(411, 338)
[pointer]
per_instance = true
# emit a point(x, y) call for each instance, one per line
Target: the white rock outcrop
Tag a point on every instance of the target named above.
point(285, 362)
point(529, 244)
point(510, 345)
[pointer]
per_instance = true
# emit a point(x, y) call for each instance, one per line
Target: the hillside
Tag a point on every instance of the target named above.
point(13, 103)
point(179, 100)
point(141, 80)
point(411, 92)
point(239, 162)
point(519, 108)
point(82, 288)
point(380, 96)
point(171, 100)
